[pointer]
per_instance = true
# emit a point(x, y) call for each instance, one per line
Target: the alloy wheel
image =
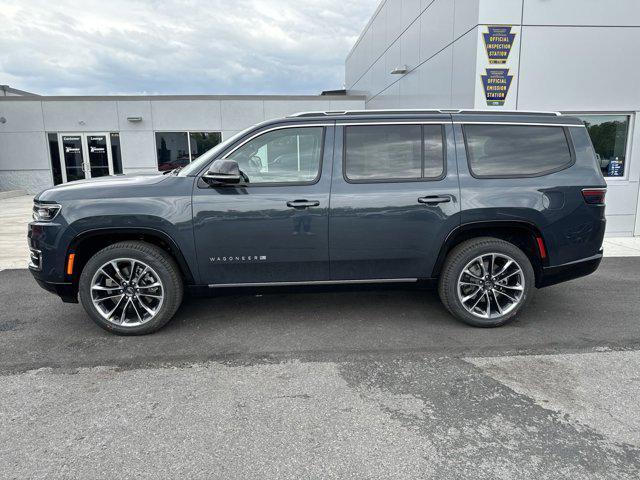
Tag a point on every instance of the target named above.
point(491, 285)
point(127, 292)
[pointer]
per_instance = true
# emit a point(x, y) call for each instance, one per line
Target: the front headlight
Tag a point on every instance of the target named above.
point(45, 212)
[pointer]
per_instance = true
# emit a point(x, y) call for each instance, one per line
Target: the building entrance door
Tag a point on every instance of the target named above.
point(85, 155)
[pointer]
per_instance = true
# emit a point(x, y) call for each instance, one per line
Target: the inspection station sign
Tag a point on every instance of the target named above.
point(498, 41)
point(497, 65)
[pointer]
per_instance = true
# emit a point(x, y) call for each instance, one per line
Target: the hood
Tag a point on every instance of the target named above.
point(103, 187)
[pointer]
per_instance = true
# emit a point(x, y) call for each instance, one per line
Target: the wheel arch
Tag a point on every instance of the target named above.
point(523, 234)
point(89, 242)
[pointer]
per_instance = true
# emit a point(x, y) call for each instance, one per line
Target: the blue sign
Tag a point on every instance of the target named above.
point(496, 83)
point(615, 168)
point(498, 42)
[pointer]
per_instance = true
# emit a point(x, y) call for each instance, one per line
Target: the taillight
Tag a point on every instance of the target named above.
point(594, 196)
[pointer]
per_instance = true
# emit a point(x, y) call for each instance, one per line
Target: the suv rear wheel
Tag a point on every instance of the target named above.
point(485, 282)
point(131, 288)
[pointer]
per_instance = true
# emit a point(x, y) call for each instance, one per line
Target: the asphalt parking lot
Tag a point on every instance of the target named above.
point(357, 383)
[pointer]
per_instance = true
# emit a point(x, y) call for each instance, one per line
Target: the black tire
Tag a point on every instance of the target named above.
point(458, 259)
point(156, 258)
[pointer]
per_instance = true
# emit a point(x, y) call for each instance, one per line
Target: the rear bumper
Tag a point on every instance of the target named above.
point(569, 271)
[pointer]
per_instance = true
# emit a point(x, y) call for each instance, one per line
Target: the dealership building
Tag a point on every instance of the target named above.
point(574, 56)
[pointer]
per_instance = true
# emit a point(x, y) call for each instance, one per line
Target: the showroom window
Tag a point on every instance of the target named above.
point(177, 149)
point(54, 152)
point(609, 135)
point(516, 150)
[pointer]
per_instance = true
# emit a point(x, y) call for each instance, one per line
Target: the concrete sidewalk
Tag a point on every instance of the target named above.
point(15, 214)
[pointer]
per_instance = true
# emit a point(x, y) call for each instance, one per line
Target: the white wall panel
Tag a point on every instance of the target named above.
point(579, 69)
point(503, 11)
point(277, 109)
point(410, 10)
point(239, 114)
point(80, 115)
point(466, 16)
point(138, 149)
point(436, 28)
point(410, 46)
point(378, 32)
point(21, 116)
point(435, 80)
point(387, 99)
point(394, 20)
point(23, 151)
point(135, 108)
point(464, 71)
point(620, 225)
point(582, 12)
point(411, 94)
point(392, 59)
point(202, 115)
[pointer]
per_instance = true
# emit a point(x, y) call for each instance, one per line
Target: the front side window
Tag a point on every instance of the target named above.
point(291, 155)
point(609, 137)
point(516, 150)
point(393, 152)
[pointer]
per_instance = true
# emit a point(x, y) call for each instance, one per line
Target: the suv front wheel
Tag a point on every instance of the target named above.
point(485, 282)
point(131, 288)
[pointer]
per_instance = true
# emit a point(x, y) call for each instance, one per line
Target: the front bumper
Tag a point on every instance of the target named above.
point(68, 292)
point(48, 243)
point(569, 271)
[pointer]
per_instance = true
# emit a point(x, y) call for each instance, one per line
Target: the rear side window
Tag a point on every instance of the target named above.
point(516, 150)
point(393, 152)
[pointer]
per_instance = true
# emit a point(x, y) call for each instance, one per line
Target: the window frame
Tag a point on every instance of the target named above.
point(188, 132)
point(259, 133)
point(442, 176)
point(630, 133)
point(567, 136)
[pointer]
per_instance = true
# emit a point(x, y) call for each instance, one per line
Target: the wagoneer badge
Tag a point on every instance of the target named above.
point(238, 259)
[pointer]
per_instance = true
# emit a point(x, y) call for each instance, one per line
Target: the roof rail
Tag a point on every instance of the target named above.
point(410, 110)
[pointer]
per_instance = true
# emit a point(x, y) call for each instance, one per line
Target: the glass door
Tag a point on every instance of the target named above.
point(85, 155)
point(99, 155)
point(72, 155)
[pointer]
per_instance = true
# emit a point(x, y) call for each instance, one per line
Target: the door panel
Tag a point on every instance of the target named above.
point(265, 234)
point(98, 153)
point(72, 155)
point(391, 229)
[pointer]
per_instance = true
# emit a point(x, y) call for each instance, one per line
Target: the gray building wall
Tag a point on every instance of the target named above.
point(24, 152)
point(574, 56)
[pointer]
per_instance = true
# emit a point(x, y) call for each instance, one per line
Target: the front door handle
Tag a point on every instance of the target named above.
point(303, 204)
point(434, 199)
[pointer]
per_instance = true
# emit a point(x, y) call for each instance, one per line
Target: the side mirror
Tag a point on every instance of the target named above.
point(223, 172)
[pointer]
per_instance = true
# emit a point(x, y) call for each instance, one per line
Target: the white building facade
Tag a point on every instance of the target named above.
point(52, 140)
point(574, 56)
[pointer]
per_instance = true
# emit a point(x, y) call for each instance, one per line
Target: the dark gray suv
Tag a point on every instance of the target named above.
point(487, 204)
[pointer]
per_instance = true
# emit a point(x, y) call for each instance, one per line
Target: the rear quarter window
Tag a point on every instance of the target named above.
point(516, 150)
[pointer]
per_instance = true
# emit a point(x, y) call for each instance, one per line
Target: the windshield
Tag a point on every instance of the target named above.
point(195, 166)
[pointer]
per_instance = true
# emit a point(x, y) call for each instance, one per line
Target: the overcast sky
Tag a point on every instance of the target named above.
point(64, 47)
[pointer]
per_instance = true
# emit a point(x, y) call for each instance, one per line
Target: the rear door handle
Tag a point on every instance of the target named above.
point(303, 203)
point(434, 199)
